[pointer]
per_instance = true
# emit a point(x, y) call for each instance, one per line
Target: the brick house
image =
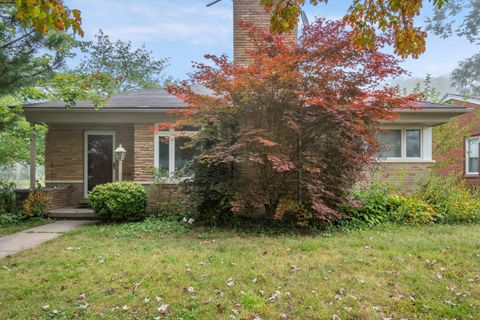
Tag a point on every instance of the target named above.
point(462, 160)
point(80, 141)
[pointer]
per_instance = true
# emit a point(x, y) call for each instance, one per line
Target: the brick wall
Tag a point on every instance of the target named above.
point(250, 11)
point(64, 154)
point(161, 192)
point(404, 176)
point(453, 161)
point(59, 196)
point(143, 152)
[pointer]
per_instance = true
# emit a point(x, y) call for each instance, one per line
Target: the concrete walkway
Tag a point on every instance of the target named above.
point(30, 238)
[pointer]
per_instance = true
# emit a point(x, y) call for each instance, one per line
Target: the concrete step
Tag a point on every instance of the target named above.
point(72, 214)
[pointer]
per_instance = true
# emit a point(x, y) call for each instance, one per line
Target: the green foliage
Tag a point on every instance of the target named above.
point(11, 218)
point(119, 201)
point(413, 210)
point(152, 225)
point(209, 191)
point(436, 200)
point(132, 68)
point(7, 198)
point(426, 91)
point(36, 204)
point(453, 201)
point(445, 22)
point(175, 208)
point(374, 204)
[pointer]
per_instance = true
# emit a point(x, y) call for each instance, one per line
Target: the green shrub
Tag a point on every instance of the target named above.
point(412, 210)
point(119, 201)
point(7, 197)
point(452, 200)
point(36, 204)
point(375, 204)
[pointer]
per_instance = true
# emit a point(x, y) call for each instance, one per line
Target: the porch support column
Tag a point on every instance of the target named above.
point(33, 159)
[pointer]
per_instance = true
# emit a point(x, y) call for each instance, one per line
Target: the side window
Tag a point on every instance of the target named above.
point(471, 155)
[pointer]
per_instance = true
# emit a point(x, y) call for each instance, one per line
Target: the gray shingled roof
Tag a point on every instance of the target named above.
point(160, 99)
point(145, 99)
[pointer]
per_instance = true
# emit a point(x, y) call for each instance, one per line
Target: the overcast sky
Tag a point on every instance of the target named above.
point(184, 30)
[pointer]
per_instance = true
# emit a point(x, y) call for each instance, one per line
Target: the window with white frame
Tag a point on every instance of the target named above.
point(471, 155)
point(171, 150)
point(402, 143)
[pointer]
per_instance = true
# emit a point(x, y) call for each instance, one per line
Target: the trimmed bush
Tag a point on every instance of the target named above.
point(119, 201)
point(36, 204)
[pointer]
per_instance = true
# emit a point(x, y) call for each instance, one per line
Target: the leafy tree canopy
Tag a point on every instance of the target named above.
point(445, 23)
point(132, 68)
point(46, 15)
point(297, 125)
point(393, 17)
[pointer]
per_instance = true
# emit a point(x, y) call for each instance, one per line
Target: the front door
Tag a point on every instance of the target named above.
point(99, 159)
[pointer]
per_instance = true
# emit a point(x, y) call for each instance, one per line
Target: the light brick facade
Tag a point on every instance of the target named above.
point(143, 153)
point(65, 152)
point(404, 176)
point(250, 11)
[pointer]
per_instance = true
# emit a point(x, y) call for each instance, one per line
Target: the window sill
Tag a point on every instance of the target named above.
point(471, 176)
point(404, 160)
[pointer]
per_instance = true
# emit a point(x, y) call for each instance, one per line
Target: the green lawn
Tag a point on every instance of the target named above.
point(104, 272)
point(6, 229)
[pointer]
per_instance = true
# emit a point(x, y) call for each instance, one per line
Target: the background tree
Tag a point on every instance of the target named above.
point(36, 39)
point(133, 69)
point(297, 125)
point(393, 18)
point(445, 23)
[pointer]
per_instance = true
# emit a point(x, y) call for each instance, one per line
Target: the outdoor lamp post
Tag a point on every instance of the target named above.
point(120, 153)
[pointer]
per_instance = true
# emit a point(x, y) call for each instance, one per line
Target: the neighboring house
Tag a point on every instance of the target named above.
point(462, 160)
point(80, 141)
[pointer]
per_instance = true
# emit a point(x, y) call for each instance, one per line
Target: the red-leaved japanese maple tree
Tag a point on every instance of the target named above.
point(288, 134)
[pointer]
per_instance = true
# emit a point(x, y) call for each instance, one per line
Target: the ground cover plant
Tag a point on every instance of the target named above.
point(425, 272)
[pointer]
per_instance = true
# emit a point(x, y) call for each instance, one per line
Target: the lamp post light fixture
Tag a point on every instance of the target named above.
point(120, 153)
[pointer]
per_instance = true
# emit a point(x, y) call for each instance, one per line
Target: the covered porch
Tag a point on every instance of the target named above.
point(81, 141)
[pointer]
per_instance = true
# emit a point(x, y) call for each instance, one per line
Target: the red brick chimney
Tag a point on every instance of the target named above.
point(250, 11)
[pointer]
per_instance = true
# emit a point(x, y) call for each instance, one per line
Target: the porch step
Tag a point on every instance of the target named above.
point(72, 214)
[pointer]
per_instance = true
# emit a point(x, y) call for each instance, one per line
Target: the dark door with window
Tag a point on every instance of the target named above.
point(99, 159)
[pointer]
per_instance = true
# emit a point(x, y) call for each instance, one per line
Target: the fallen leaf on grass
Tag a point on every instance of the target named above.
point(163, 308)
point(274, 296)
point(230, 282)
